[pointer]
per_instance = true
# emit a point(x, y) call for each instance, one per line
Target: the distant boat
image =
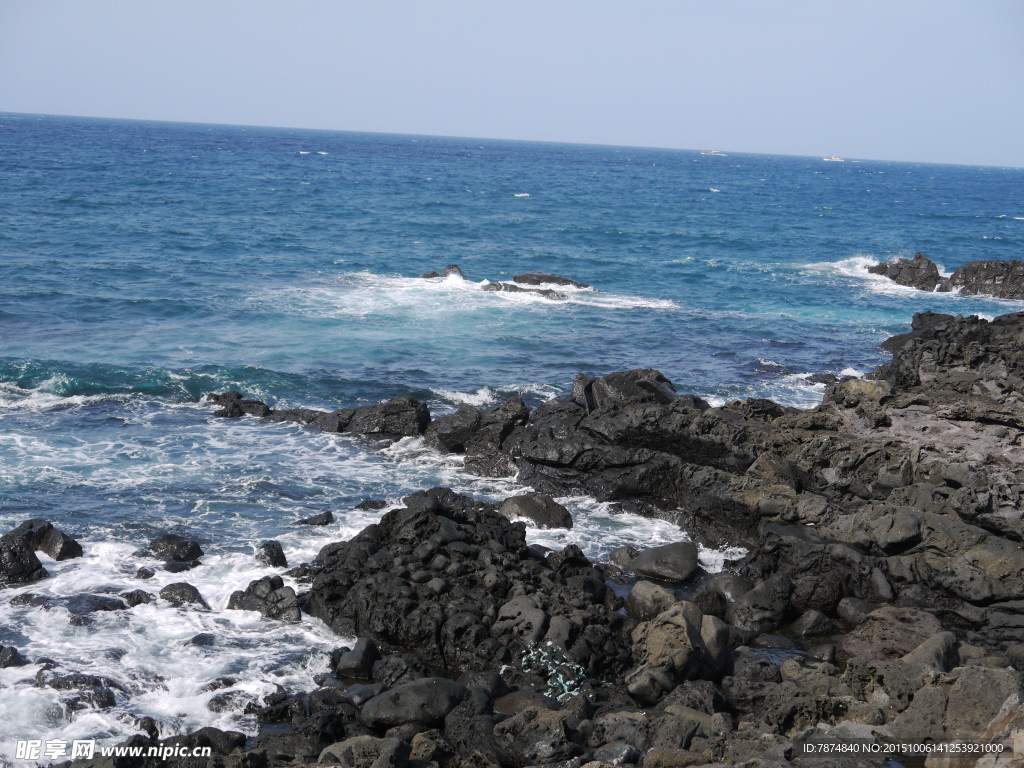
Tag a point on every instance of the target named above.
point(715, 152)
point(834, 159)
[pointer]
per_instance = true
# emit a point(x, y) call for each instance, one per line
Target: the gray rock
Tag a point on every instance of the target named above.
point(452, 269)
point(940, 652)
point(919, 272)
point(541, 509)
point(670, 562)
point(11, 657)
point(42, 536)
point(669, 649)
point(888, 633)
point(812, 624)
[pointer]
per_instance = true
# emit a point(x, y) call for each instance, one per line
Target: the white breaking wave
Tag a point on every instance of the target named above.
point(361, 294)
point(483, 396)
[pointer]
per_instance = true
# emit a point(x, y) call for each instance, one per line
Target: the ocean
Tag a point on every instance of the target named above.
point(144, 265)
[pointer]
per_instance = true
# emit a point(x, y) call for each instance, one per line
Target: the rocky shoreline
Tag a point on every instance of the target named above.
point(881, 601)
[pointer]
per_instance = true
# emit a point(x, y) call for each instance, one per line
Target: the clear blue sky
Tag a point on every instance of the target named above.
point(927, 80)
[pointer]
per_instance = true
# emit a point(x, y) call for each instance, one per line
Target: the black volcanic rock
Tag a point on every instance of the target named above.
point(391, 420)
point(172, 548)
point(42, 536)
point(269, 597)
point(18, 563)
point(270, 553)
point(450, 579)
point(919, 272)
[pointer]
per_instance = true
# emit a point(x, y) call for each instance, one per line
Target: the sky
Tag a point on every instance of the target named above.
point(918, 80)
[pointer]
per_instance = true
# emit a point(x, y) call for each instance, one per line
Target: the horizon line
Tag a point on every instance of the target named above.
point(495, 138)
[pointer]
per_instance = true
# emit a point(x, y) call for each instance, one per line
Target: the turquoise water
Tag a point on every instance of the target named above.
point(143, 265)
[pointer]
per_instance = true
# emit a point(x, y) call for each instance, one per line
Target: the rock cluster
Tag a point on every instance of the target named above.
point(1000, 279)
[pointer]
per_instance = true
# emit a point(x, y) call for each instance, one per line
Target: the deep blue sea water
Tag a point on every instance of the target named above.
point(143, 265)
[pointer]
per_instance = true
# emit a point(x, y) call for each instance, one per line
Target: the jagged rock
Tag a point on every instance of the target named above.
point(940, 652)
point(42, 536)
point(452, 269)
point(181, 594)
point(11, 657)
point(762, 608)
point(500, 287)
point(534, 737)
point(450, 579)
point(271, 553)
point(541, 509)
point(919, 272)
point(90, 691)
point(269, 597)
point(136, 597)
point(1001, 279)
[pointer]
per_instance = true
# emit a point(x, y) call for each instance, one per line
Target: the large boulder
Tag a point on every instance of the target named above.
point(675, 562)
point(423, 702)
point(541, 509)
point(669, 649)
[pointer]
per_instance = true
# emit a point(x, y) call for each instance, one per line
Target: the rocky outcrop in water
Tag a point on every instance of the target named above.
point(999, 279)
point(397, 418)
